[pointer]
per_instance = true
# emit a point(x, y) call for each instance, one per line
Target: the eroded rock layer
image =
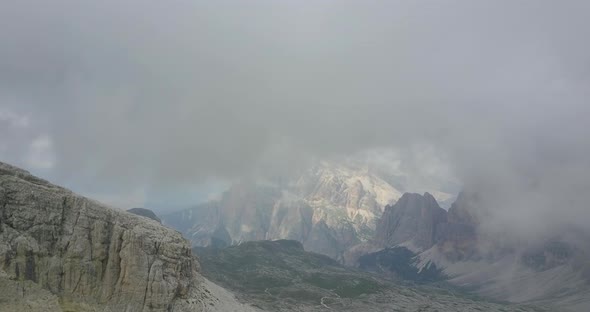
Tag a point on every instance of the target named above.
point(92, 257)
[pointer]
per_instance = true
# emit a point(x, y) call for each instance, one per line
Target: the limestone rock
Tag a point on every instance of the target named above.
point(145, 213)
point(458, 238)
point(25, 296)
point(94, 258)
point(413, 221)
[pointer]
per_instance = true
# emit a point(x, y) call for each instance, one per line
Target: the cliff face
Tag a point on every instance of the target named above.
point(552, 270)
point(90, 256)
point(145, 213)
point(414, 221)
point(328, 208)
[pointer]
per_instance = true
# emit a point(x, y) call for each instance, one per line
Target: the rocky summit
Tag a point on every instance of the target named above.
point(145, 213)
point(64, 252)
point(329, 208)
point(413, 221)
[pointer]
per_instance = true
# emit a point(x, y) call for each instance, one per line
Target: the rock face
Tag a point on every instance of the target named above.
point(328, 208)
point(413, 221)
point(25, 296)
point(458, 237)
point(553, 270)
point(145, 213)
point(92, 257)
point(242, 214)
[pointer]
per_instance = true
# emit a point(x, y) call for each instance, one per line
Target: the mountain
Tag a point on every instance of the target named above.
point(145, 213)
point(550, 270)
point(329, 208)
point(64, 252)
point(413, 221)
point(281, 276)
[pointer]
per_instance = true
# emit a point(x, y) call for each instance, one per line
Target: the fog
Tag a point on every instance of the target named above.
point(131, 100)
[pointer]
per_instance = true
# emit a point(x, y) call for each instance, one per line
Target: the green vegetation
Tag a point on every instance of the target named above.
point(281, 276)
point(283, 269)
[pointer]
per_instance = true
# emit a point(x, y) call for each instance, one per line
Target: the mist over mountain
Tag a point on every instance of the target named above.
point(225, 109)
point(329, 207)
point(417, 240)
point(496, 91)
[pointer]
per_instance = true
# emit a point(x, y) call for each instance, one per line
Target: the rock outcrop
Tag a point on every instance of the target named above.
point(413, 221)
point(145, 213)
point(92, 257)
point(25, 296)
point(458, 238)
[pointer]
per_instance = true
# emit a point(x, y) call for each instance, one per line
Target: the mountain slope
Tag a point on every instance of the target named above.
point(413, 221)
point(92, 257)
point(552, 270)
point(329, 208)
point(281, 276)
point(145, 213)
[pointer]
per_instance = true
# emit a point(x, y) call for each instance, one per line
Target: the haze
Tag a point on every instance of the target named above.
point(149, 101)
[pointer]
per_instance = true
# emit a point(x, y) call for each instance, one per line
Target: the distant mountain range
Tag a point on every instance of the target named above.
point(357, 218)
point(62, 252)
point(329, 208)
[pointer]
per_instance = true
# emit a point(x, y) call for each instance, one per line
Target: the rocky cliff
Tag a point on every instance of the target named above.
point(328, 208)
point(553, 270)
point(458, 238)
point(145, 213)
point(413, 221)
point(89, 257)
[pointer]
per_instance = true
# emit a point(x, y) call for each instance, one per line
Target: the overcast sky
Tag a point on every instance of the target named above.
point(143, 101)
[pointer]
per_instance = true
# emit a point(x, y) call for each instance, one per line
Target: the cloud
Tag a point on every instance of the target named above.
point(12, 119)
point(163, 95)
point(40, 154)
point(133, 199)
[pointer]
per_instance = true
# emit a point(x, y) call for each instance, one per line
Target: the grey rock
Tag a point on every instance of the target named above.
point(414, 221)
point(25, 296)
point(93, 257)
point(291, 219)
point(145, 213)
point(458, 237)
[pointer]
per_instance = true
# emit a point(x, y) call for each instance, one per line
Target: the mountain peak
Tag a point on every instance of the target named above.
point(428, 195)
point(412, 221)
point(145, 213)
